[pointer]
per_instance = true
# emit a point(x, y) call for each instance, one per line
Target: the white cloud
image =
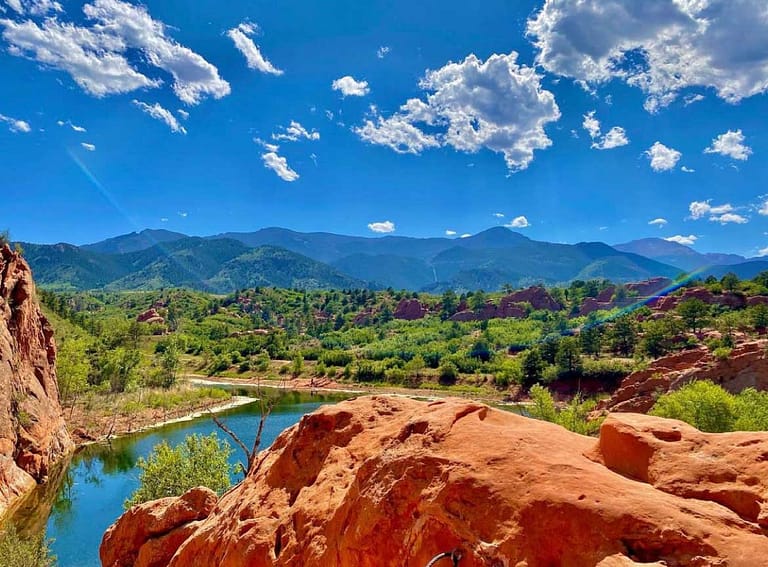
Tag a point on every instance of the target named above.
point(692, 99)
point(266, 145)
point(465, 235)
point(183, 113)
point(296, 131)
point(159, 113)
point(15, 125)
point(499, 215)
point(659, 46)
point(615, 138)
point(350, 87)
point(183, 214)
point(450, 233)
point(763, 252)
point(730, 144)
point(382, 51)
point(591, 125)
point(660, 222)
point(89, 147)
point(471, 105)
point(700, 209)
point(383, 227)
point(727, 218)
point(164, 219)
point(251, 52)
point(77, 128)
point(97, 56)
point(687, 169)
point(518, 222)
point(662, 158)
point(74, 127)
point(689, 240)
point(763, 210)
point(34, 7)
point(279, 165)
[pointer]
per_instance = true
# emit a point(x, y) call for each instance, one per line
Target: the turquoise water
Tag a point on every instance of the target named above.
point(90, 495)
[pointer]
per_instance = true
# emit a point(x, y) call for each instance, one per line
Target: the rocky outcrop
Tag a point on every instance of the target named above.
point(729, 299)
point(410, 310)
point(32, 431)
point(390, 482)
point(746, 367)
point(150, 316)
point(537, 296)
point(649, 287)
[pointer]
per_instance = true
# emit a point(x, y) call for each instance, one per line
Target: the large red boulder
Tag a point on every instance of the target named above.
point(537, 296)
point(388, 482)
point(410, 310)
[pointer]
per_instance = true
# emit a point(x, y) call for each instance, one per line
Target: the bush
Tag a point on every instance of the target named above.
point(722, 353)
point(336, 358)
point(19, 551)
point(574, 416)
point(197, 461)
point(702, 404)
point(448, 374)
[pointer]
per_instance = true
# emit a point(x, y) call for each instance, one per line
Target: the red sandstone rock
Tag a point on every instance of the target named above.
point(148, 534)
point(410, 310)
point(463, 316)
point(591, 305)
point(390, 482)
point(649, 287)
point(746, 367)
point(537, 296)
point(32, 431)
point(606, 295)
point(150, 316)
point(757, 300)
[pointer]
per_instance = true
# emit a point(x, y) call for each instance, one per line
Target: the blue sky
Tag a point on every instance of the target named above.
point(576, 121)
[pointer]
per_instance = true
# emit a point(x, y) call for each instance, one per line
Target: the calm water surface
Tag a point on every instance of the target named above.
point(90, 494)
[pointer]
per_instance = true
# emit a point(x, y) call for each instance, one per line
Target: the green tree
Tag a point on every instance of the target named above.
point(72, 368)
point(591, 338)
point(171, 471)
point(169, 364)
point(694, 313)
point(18, 551)
point(568, 358)
point(532, 366)
point(658, 336)
point(624, 335)
point(702, 404)
point(297, 366)
point(759, 316)
point(477, 300)
point(730, 281)
point(119, 367)
point(448, 304)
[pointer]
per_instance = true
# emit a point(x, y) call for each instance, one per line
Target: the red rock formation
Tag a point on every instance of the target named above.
point(757, 300)
point(410, 310)
point(606, 295)
point(649, 287)
point(150, 316)
point(537, 296)
point(591, 304)
point(730, 299)
point(463, 316)
point(32, 430)
point(746, 367)
point(389, 482)
point(509, 309)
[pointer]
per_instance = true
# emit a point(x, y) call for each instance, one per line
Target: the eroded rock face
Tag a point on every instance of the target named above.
point(410, 310)
point(389, 482)
point(746, 367)
point(32, 431)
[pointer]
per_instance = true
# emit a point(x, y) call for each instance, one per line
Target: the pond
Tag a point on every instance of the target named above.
point(83, 499)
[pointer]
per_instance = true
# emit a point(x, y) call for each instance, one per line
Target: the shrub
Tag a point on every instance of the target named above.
point(702, 404)
point(197, 461)
point(19, 551)
point(448, 374)
point(722, 353)
point(336, 358)
point(574, 416)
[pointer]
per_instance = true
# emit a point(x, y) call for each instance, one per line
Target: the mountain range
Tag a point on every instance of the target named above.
point(222, 263)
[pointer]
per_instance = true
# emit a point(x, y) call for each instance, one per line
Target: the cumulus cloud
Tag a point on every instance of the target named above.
point(763, 210)
point(266, 145)
point(97, 56)
point(74, 127)
point(687, 169)
point(519, 222)
point(499, 215)
point(659, 46)
point(159, 113)
point(295, 132)
point(465, 235)
point(243, 42)
point(450, 233)
point(701, 209)
point(660, 222)
point(473, 105)
point(731, 144)
point(34, 7)
point(763, 252)
point(689, 240)
point(614, 138)
point(383, 227)
point(662, 158)
point(728, 218)
point(350, 87)
point(89, 147)
point(279, 165)
point(382, 51)
point(15, 125)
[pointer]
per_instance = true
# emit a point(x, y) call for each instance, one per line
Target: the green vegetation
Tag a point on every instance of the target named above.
point(197, 461)
point(708, 407)
point(19, 551)
point(574, 416)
